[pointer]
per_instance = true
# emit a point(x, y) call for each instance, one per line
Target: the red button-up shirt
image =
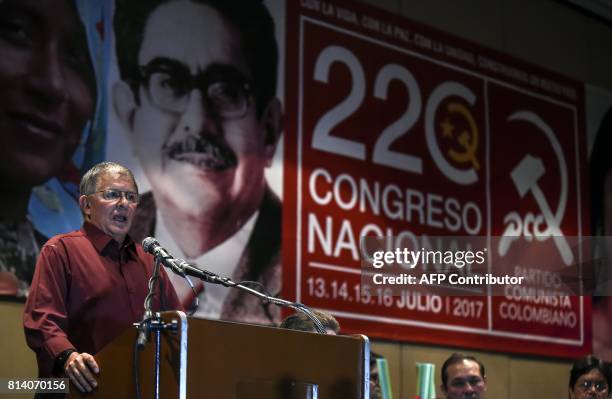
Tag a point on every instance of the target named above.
point(86, 291)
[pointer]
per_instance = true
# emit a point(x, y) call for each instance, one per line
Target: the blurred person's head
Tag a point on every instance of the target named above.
point(299, 321)
point(375, 388)
point(108, 198)
point(48, 89)
point(463, 377)
point(590, 378)
point(198, 98)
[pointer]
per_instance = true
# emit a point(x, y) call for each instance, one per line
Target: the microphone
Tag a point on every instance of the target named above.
point(179, 266)
point(151, 245)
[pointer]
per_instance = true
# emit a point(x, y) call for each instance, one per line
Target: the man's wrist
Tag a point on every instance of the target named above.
point(60, 361)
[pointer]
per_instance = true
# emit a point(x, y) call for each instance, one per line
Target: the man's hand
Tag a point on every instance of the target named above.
point(81, 368)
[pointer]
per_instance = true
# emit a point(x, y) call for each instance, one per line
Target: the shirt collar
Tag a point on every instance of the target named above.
point(100, 240)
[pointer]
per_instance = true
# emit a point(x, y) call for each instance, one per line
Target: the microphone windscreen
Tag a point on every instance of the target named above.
point(149, 243)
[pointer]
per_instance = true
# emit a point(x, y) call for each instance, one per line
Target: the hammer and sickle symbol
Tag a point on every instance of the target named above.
point(525, 177)
point(468, 140)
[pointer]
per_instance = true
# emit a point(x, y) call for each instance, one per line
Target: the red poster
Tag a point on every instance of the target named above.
point(394, 129)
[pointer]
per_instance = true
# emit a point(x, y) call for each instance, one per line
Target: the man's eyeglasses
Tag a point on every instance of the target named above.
point(600, 386)
point(169, 85)
point(110, 194)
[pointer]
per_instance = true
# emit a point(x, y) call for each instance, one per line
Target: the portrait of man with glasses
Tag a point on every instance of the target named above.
point(197, 98)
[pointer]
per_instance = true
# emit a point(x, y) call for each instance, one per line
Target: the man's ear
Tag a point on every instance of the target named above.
point(273, 121)
point(85, 206)
point(124, 103)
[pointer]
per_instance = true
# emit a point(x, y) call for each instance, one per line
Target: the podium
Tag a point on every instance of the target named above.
point(219, 359)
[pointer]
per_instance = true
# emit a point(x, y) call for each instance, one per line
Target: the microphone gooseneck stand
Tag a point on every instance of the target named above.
point(151, 322)
point(183, 268)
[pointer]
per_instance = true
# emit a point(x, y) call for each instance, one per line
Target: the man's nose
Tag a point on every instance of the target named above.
point(468, 387)
point(197, 116)
point(46, 77)
point(123, 201)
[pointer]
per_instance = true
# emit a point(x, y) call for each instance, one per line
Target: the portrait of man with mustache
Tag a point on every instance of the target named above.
point(197, 98)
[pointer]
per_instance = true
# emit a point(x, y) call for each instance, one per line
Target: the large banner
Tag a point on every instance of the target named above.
point(397, 130)
point(268, 139)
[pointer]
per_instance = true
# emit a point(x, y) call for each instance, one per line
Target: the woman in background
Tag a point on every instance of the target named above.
point(589, 378)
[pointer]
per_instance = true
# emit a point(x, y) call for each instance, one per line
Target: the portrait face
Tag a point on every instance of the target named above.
point(194, 125)
point(47, 86)
point(592, 385)
point(464, 381)
point(111, 215)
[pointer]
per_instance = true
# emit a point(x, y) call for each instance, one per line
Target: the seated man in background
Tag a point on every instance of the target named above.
point(463, 377)
point(89, 285)
point(301, 322)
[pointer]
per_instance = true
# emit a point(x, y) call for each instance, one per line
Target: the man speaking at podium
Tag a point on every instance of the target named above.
point(89, 285)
